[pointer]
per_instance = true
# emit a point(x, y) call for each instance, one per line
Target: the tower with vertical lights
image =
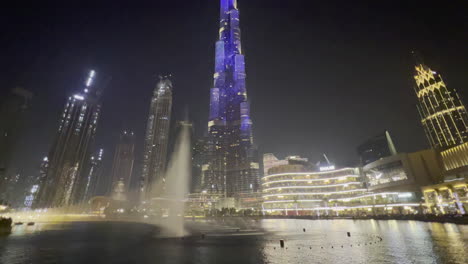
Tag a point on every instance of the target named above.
point(124, 158)
point(66, 180)
point(443, 114)
point(156, 138)
point(232, 164)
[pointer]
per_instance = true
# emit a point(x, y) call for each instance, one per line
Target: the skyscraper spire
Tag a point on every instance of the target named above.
point(443, 114)
point(233, 163)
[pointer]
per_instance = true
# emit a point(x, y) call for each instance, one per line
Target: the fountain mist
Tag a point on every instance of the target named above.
point(176, 186)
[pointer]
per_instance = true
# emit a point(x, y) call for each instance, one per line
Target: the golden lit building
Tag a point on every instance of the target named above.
point(447, 197)
point(451, 196)
point(443, 115)
point(456, 160)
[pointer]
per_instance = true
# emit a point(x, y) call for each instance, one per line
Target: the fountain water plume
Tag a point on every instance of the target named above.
point(176, 185)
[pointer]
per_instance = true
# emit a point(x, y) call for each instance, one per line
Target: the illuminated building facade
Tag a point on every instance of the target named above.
point(29, 199)
point(124, 157)
point(43, 171)
point(93, 175)
point(451, 196)
point(378, 147)
point(198, 160)
point(232, 165)
point(157, 137)
point(404, 171)
point(33, 183)
point(290, 190)
point(448, 197)
point(443, 115)
point(66, 179)
point(455, 161)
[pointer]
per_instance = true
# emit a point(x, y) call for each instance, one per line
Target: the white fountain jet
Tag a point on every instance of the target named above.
point(176, 185)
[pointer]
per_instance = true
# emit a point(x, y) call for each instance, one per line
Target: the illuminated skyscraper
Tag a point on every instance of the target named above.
point(443, 115)
point(33, 183)
point(232, 166)
point(93, 175)
point(157, 137)
point(66, 179)
point(124, 158)
point(43, 170)
point(198, 160)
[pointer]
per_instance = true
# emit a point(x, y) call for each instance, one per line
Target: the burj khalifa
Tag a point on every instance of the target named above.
point(232, 162)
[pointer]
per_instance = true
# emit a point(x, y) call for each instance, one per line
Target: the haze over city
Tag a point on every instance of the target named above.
point(229, 131)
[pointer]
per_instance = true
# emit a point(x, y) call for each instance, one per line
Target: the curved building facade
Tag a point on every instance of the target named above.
point(289, 191)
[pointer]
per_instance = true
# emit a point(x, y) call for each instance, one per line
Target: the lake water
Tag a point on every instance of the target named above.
point(324, 241)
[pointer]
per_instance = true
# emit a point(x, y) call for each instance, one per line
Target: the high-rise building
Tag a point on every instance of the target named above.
point(93, 175)
point(67, 178)
point(43, 171)
point(198, 160)
point(375, 148)
point(13, 110)
point(443, 115)
point(157, 137)
point(124, 157)
point(233, 164)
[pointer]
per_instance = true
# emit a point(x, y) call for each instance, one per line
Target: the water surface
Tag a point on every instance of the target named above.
point(324, 241)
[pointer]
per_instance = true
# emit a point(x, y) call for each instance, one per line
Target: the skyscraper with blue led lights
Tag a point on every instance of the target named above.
point(232, 165)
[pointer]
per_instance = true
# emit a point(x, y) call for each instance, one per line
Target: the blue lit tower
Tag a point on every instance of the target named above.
point(232, 166)
point(66, 181)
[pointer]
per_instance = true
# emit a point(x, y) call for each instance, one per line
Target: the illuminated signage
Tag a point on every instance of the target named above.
point(327, 168)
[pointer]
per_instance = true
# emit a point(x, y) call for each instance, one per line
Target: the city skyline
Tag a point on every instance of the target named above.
point(234, 131)
point(342, 146)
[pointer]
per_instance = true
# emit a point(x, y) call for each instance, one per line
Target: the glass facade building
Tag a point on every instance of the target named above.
point(443, 114)
point(156, 138)
point(67, 179)
point(232, 161)
point(376, 148)
point(124, 157)
point(94, 175)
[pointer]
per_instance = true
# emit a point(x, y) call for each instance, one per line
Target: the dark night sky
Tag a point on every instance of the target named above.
point(322, 76)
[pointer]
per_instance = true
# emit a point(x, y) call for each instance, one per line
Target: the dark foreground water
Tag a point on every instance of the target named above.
point(257, 242)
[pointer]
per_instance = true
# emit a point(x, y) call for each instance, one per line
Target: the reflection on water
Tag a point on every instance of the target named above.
point(322, 242)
